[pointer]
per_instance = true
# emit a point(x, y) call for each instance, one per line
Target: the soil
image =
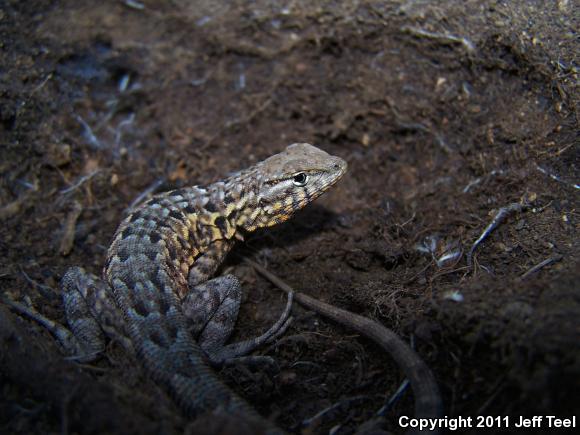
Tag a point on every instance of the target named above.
point(446, 112)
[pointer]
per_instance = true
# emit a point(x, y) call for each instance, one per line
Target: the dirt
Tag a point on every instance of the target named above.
point(446, 113)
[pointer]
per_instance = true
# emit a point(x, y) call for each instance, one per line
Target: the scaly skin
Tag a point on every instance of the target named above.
point(157, 297)
point(156, 250)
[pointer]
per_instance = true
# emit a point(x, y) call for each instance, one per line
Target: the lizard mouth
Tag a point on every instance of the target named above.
point(337, 169)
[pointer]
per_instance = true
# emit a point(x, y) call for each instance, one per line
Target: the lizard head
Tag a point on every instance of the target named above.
point(288, 181)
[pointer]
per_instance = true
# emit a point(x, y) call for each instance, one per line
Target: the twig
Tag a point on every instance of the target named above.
point(407, 221)
point(238, 122)
point(428, 403)
point(480, 179)
point(498, 387)
point(306, 363)
point(13, 207)
point(68, 236)
point(557, 178)
point(79, 183)
point(46, 290)
point(124, 82)
point(449, 256)
point(88, 133)
point(333, 407)
point(250, 116)
point(92, 368)
point(471, 184)
point(417, 126)
point(498, 219)
point(243, 48)
point(41, 85)
point(394, 398)
point(145, 194)
point(541, 265)
point(446, 38)
point(119, 130)
point(65, 409)
point(61, 333)
point(134, 4)
point(441, 142)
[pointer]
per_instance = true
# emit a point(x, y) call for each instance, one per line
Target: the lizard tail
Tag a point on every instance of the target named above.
point(163, 343)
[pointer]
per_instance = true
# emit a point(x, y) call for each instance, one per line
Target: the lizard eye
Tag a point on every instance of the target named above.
point(300, 179)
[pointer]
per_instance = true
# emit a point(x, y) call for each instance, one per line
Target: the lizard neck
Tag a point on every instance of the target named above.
point(233, 205)
point(271, 191)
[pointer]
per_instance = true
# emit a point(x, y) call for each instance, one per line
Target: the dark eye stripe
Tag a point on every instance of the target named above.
point(291, 178)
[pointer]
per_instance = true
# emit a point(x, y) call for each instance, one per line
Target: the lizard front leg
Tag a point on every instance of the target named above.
point(89, 307)
point(212, 308)
point(206, 265)
point(89, 310)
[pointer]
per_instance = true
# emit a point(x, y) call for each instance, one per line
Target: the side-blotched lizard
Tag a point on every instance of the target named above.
point(156, 296)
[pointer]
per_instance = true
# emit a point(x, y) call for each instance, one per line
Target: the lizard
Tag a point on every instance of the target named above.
point(157, 296)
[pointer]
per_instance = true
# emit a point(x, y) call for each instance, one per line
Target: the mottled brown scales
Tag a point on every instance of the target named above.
point(157, 297)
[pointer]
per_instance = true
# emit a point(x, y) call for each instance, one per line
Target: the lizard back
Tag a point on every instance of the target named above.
point(156, 246)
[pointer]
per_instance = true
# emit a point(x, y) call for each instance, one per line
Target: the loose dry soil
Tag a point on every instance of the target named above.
point(445, 111)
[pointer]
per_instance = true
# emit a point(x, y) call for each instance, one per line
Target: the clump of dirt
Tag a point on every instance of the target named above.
point(447, 114)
